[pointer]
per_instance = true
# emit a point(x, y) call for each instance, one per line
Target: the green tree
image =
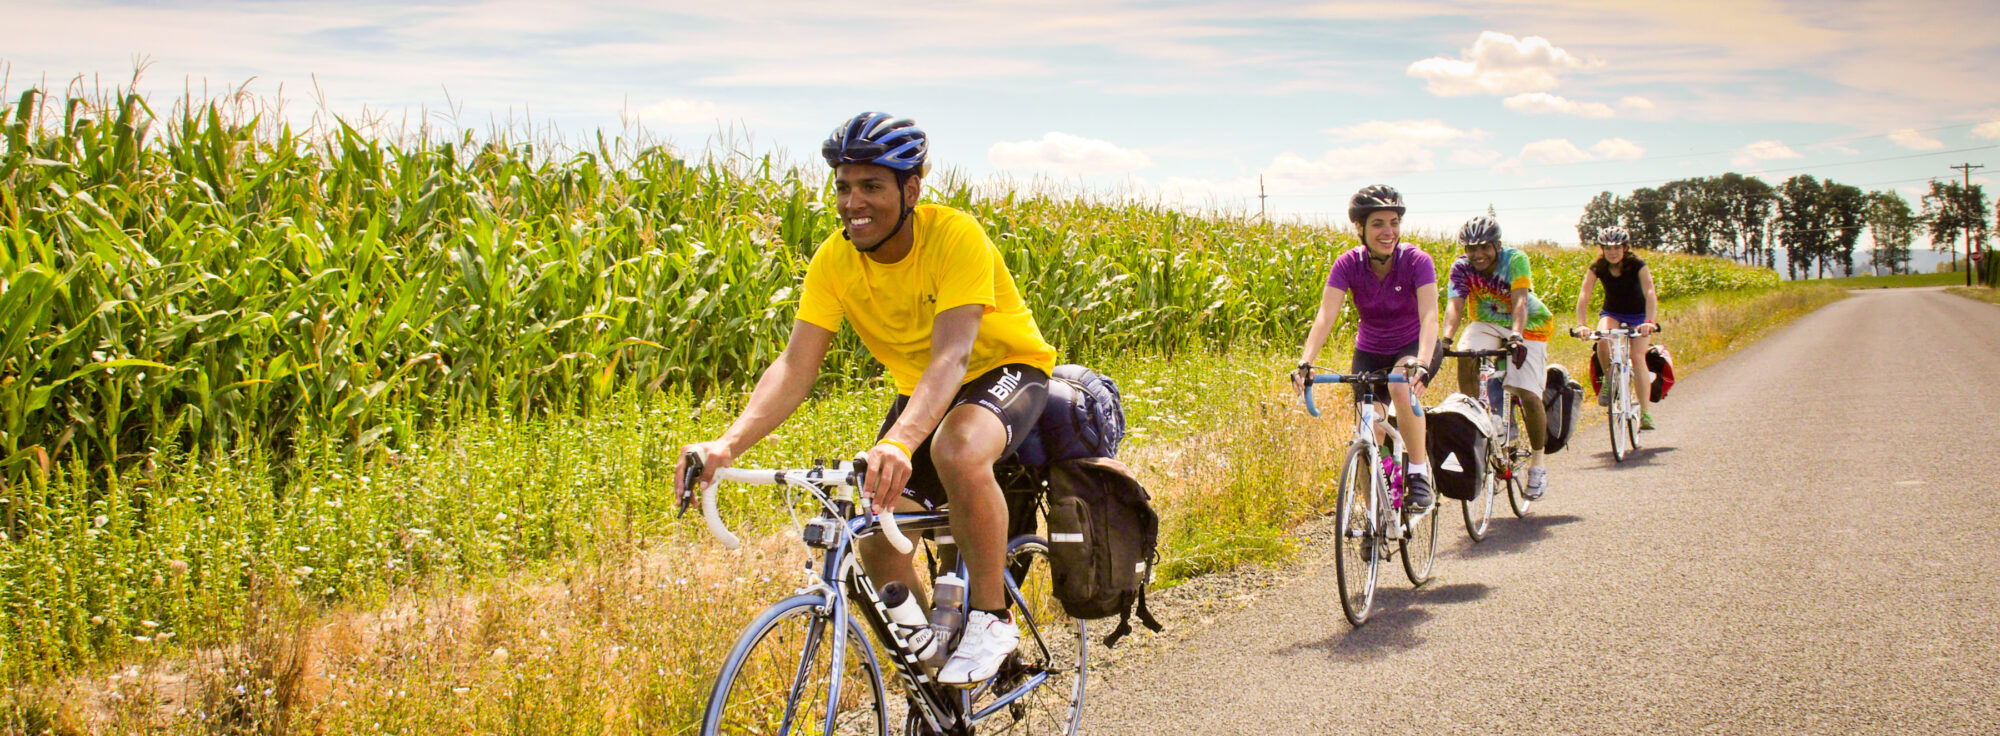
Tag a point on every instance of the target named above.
point(1893, 227)
point(1953, 211)
point(1644, 215)
point(1846, 213)
point(1601, 212)
point(1802, 224)
point(1746, 224)
point(1694, 214)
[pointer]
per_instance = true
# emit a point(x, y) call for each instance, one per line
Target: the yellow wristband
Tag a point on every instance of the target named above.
point(897, 445)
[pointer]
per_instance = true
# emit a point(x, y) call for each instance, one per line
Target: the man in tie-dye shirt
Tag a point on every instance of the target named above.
point(1494, 286)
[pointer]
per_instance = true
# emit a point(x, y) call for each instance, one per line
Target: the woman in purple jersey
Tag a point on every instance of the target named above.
point(1394, 286)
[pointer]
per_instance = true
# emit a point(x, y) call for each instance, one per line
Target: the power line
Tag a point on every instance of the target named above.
point(1657, 179)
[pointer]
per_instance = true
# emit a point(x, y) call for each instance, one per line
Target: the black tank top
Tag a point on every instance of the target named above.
point(1622, 294)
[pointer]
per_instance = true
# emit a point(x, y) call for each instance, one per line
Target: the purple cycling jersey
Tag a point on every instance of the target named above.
point(1388, 305)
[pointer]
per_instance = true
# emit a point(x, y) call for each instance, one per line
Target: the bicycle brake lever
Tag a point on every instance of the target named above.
point(690, 475)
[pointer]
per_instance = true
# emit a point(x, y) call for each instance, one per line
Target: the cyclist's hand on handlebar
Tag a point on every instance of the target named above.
point(1579, 331)
point(707, 458)
point(888, 472)
point(1519, 346)
point(1647, 328)
point(1301, 376)
point(1414, 370)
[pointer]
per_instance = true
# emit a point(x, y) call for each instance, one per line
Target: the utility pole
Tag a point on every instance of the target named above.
point(1967, 167)
point(1260, 198)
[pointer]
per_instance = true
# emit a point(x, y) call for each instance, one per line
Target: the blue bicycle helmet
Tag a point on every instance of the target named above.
point(1481, 229)
point(877, 138)
point(1613, 235)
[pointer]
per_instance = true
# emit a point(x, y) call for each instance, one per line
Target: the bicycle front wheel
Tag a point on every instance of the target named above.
point(1419, 546)
point(1516, 453)
point(1358, 550)
point(1618, 418)
point(779, 677)
point(1479, 509)
point(1054, 649)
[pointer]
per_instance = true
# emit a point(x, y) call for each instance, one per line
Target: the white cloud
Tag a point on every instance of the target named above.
point(1553, 151)
point(1474, 156)
point(1364, 164)
point(1498, 64)
point(1543, 103)
point(1915, 141)
point(1636, 104)
point(685, 111)
point(1989, 129)
point(1066, 154)
point(1762, 151)
point(1618, 149)
point(1560, 151)
point(1422, 131)
point(1208, 194)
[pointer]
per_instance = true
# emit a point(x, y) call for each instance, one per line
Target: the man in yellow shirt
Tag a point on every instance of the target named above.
point(931, 299)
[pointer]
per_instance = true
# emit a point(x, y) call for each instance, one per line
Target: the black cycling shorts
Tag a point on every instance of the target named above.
point(1014, 392)
point(1366, 362)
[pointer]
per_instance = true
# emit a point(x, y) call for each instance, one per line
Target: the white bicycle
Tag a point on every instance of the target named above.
point(1623, 410)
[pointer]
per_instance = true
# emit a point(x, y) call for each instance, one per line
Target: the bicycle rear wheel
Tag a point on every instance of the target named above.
point(1358, 551)
point(778, 678)
point(1060, 655)
point(1479, 509)
point(1516, 453)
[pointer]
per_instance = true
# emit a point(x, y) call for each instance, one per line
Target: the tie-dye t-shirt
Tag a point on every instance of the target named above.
point(1487, 294)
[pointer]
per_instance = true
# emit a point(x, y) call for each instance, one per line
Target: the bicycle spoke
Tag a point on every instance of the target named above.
point(779, 680)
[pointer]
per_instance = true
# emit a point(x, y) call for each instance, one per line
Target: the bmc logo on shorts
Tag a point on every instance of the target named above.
point(1010, 380)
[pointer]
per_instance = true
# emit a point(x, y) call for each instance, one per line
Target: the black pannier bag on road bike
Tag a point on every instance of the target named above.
point(1456, 435)
point(1560, 396)
point(1084, 418)
point(1103, 541)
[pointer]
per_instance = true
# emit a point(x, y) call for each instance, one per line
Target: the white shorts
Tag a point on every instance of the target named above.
point(1531, 376)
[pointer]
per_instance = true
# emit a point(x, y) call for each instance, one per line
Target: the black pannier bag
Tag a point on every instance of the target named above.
point(1456, 435)
point(1103, 540)
point(1084, 418)
point(1561, 396)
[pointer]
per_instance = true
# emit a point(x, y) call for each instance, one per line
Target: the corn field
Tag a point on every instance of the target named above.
point(210, 291)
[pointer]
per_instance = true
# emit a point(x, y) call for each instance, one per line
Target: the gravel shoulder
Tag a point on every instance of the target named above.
point(1808, 544)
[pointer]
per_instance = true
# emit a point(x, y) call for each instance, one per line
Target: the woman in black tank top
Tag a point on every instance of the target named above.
point(1629, 299)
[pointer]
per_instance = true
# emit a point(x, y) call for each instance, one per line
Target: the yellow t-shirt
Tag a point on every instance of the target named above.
point(892, 305)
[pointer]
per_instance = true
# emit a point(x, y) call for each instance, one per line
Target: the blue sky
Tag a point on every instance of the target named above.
point(1530, 106)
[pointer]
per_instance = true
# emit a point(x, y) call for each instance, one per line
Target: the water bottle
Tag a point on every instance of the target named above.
point(909, 619)
point(947, 615)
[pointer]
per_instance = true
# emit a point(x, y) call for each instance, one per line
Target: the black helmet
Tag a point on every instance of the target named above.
point(1372, 198)
point(1613, 235)
point(877, 138)
point(1481, 229)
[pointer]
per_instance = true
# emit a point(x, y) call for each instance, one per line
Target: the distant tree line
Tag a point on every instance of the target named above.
point(1817, 223)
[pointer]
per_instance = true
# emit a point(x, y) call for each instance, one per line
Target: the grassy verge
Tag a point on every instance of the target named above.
point(1898, 281)
point(1982, 293)
point(620, 625)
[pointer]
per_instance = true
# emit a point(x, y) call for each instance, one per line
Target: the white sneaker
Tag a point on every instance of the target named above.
point(986, 644)
point(1538, 482)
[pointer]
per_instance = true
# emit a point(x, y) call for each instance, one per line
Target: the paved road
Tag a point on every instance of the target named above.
point(1810, 543)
